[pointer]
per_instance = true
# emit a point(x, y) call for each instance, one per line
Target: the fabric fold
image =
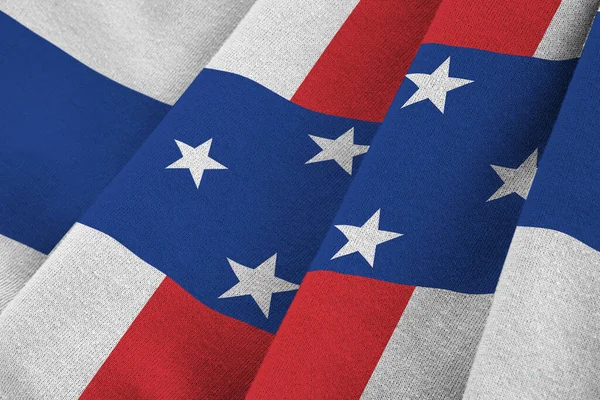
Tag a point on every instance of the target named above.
point(447, 173)
point(80, 99)
point(540, 339)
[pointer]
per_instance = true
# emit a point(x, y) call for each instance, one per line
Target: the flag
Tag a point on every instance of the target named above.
point(298, 199)
point(205, 234)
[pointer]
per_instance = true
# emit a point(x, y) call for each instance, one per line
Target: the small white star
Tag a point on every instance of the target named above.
point(435, 86)
point(259, 282)
point(195, 159)
point(342, 150)
point(516, 180)
point(364, 239)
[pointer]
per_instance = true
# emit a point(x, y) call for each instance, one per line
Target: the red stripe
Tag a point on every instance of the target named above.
point(360, 71)
point(179, 348)
point(503, 26)
point(331, 338)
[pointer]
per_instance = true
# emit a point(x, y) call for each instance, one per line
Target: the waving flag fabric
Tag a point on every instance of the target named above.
point(298, 199)
point(237, 163)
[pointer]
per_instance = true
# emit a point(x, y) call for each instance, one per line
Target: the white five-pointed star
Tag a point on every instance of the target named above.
point(516, 180)
point(259, 282)
point(364, 239)
point(342, 150)
point(435, 86)
point(195, 159)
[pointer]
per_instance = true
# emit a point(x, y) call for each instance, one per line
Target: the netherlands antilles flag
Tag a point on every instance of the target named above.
point(73, 115)
point(397, 297)
point(174, 282)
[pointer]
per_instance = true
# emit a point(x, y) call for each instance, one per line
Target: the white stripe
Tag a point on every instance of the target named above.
point(568, 30)
point(63, 324)
point(17, 264)
point(156, 47)
point(542, 338)
point(431, 350)
point(278, 42)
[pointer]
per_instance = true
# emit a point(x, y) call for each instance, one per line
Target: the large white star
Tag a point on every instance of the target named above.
point(364, 239)
point(342, 150)
point(195, 159)
point(259, 282)
point(516, 180)
point(435, 86)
